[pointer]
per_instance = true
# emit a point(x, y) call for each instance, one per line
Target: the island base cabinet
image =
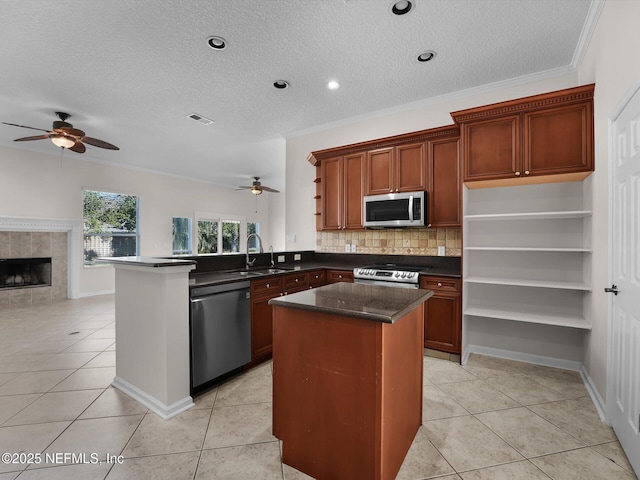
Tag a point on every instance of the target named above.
point(347, 393)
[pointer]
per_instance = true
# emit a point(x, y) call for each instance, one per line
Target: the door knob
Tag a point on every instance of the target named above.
point(613, 289)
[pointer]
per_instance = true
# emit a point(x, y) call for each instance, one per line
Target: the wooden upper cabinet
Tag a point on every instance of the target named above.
point(380, 170)
point(331, 175)
point(548, 134)
point(491, 148)
point(353, 190)
point(396, 169)
point(444, 191)
point(558, 140)
point(342, 188)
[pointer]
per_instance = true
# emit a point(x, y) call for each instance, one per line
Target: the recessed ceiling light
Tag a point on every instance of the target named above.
point(217, 43)
point(426, 56)
point(281, 84)
point(333, 85)
point(402, 7)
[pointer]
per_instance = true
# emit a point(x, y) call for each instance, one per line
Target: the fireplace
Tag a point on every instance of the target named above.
point(25, 272)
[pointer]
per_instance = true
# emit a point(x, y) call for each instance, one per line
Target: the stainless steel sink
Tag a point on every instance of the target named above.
point(259, 271)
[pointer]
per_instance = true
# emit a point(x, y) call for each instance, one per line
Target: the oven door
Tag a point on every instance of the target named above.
point(366, 281)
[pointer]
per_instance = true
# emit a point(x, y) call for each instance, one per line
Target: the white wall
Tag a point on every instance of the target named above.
point(39, 185)
point(613, 63)
point(300, 188)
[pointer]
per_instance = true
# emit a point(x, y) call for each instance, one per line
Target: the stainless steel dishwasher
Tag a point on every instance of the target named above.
point(220, 327)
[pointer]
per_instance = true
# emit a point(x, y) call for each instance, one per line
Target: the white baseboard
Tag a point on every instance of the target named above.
point(94, 294)
point(522, 357)
point(595, 396)
point(164, 411)
point(548, 362)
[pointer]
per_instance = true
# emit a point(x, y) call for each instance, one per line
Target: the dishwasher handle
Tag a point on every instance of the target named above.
point(223, 287)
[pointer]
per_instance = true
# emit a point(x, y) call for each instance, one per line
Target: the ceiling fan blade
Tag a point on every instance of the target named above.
point(269, 189)
point(98, 143)
point(24, 126)
point(78, 148)
point(243, 187)
point(36, 137)
point(76, 132)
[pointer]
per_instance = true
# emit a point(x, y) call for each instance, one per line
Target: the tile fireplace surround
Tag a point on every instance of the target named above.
point(32, 238)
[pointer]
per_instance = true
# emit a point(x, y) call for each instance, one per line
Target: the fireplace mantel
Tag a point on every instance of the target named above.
point(73, 228)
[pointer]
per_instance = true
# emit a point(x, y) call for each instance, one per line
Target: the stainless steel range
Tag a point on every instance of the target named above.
point(391, 275)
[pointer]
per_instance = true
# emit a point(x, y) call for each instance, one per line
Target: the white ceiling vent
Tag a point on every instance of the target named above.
point(200, 118)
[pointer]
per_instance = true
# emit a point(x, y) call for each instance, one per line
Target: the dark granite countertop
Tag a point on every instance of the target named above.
point(366, 302)
point(212, 278)
point(153, 262)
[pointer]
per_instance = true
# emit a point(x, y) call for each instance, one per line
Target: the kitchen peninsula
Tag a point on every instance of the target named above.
point(347, 378)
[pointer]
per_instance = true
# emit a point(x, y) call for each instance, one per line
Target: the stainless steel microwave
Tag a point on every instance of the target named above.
point(408, 209)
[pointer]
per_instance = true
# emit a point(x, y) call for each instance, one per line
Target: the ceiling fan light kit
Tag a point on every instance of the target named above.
point(60, 140)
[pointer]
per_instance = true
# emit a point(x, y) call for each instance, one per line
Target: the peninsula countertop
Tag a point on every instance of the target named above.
point(366, 302)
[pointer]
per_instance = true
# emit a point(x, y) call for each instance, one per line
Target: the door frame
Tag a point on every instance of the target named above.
point(613, 116)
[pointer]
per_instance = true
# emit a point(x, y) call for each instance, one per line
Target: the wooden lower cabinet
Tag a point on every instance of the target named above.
point(262, 318)
point(334, 276)
point(317, 278)
point(443, 314)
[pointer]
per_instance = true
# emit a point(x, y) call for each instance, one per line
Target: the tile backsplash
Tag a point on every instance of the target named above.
point(393, 241)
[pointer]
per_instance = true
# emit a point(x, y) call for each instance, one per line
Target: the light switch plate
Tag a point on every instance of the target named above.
point(441, 251)
point(353, 248)
point(296, 257)
point(347, 247)
point(281, 259)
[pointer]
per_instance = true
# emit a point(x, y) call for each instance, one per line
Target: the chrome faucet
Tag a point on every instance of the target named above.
point(250, 263)
point(271, 252)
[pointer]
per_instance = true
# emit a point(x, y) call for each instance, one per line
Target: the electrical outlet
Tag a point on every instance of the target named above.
point(296, 257)
point(281, 259)
point(353, 248)
point(441, 251)
point(347, 247)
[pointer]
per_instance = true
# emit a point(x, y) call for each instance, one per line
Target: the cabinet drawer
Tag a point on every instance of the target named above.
point(296, 282)
point(316, 278)
point(334, 276)
point(266, 287)
point(445, 284)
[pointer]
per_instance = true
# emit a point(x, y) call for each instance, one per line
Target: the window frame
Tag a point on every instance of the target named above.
point(221, 218)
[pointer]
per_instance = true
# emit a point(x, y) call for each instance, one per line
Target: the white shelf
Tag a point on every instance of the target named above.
point(530, 283)
point(531, 249)
point(530, 215)
point(561, 321)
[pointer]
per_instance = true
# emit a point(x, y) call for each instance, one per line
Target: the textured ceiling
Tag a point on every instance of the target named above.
point(130, 71)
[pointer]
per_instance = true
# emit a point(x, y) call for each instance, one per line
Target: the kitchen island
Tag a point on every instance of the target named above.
point(347, 378)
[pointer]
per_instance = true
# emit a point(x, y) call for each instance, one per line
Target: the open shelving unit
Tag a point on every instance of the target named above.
point(527, 260)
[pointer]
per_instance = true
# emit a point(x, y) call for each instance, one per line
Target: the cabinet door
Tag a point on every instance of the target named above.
point(491, 149)
point(379, 171)
point(443, 197)
point(316, 278)
point(353, 189)
point(411, 168)
point(331, 193)
point(558, 140)
point(441, 322)
point(261, 329)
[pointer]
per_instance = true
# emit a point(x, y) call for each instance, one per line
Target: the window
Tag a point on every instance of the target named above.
point(110, 225)
point(181, 235)
point(254, 246)
point(223, 234)
point(208, 236)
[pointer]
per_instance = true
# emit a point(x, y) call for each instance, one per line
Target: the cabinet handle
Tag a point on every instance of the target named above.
point(439, 284)
point(526, 172)
point(268, 285)
point(517, 174)
point(297, 280)
point(339, 276)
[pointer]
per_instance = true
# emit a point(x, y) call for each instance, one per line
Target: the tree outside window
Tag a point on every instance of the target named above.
point(207, 236)
point(110, 225)
point(181, 235)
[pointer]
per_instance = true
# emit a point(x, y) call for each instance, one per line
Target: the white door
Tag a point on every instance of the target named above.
point(623, 393)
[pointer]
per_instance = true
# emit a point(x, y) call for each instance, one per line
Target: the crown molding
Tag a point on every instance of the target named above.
point(595, 9)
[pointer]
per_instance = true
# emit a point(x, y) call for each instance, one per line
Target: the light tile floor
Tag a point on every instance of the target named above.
point(491, 419)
